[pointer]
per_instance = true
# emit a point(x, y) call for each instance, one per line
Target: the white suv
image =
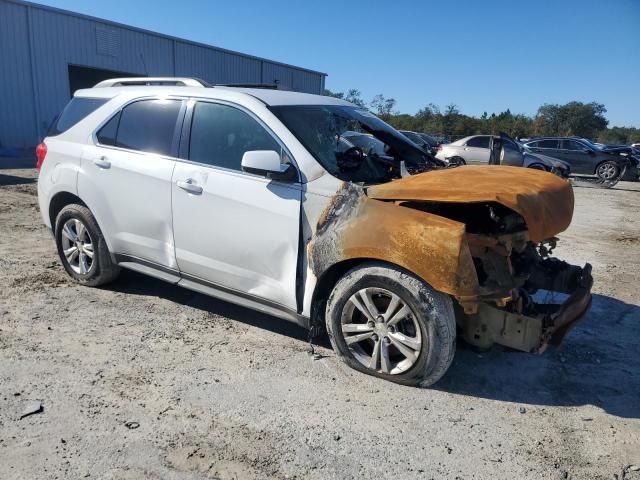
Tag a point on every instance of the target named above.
point(249, 195)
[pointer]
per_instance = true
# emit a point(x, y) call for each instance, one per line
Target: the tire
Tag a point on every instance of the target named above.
point(76, 228)
point(457, 162)
point(608, 171)
point(427, 330)
point(538, 166)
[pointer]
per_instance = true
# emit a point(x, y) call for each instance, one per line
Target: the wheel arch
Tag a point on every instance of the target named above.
point(62, 199)
point(330, 277)
point(538, 166)
point(59, 201)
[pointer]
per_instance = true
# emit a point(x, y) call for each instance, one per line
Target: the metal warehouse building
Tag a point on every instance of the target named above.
point(46, 54)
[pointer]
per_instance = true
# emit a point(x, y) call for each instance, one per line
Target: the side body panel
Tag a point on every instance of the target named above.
point(131, 199)
point(241, 232)
point(59, 173)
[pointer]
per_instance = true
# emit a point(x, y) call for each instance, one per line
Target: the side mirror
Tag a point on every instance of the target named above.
point(267, 163)
point(587, 150)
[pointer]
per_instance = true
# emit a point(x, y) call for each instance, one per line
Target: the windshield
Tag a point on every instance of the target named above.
point(322, 128)
point(367, 143)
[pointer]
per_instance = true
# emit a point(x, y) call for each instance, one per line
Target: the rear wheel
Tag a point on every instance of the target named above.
point(82, 247)
point(608, 170)
point(385, 322)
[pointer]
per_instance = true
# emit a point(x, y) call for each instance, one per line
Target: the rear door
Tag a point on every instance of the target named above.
point(125, 179)
point(476, 150)
point(234, 231)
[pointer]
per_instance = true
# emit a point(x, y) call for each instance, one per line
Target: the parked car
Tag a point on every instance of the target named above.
point(587, 158)
point(249, 196)
point(476, 150)
point(424, 141)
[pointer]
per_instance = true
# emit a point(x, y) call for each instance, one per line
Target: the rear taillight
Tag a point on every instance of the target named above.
point(41, 152)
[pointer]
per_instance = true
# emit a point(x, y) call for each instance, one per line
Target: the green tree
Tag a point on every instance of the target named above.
point(383, 107)
point(574, 118)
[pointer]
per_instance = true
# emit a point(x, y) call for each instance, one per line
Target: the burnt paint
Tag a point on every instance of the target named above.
point(354, 226)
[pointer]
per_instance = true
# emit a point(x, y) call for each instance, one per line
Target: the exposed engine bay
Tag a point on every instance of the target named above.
point(534, 310)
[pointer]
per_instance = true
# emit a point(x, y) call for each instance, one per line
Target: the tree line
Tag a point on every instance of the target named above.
point(571, 119)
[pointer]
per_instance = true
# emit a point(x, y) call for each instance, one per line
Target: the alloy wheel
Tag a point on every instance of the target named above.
point(77, 246)
point(381, 331)
point(607, 171)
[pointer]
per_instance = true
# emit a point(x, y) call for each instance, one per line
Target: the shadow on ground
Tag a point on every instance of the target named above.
point(134, 283)
point(597, 365)
point(7, 180)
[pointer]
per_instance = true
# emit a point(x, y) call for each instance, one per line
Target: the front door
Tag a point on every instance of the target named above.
point(233, 229)
point(579, 156)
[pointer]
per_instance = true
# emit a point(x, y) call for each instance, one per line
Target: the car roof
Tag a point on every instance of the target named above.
point(270, 97)
point(553, 138)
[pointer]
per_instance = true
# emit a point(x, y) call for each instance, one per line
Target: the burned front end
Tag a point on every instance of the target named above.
point(525, 298)
point(508, 288)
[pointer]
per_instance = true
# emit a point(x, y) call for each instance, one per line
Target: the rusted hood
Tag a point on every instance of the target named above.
point(544, 200)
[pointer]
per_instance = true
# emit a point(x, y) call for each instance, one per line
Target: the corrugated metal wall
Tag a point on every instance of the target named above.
point(37, 44)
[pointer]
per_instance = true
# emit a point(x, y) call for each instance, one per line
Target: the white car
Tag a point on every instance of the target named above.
point(476, 150)
point(249, 195)
point(466, 151)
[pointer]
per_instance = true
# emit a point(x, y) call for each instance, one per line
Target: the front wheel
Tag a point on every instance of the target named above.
point(538, 166)
point(608, 171)
point(385, 322)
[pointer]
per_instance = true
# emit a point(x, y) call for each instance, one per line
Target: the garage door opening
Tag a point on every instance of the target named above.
point(87, 77)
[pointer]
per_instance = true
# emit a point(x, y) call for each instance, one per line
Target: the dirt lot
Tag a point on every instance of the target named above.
point(222, 392)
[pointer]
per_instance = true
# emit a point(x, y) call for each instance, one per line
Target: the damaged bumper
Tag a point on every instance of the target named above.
point(530, 322)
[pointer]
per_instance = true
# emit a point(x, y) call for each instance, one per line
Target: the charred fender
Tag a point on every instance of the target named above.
point(477, 234)
point(354, 226)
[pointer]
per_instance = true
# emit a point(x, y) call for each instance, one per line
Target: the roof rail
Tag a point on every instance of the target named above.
point(268, 86)
point(152, 81)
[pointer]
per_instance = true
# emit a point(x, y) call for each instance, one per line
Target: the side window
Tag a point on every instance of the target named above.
point(572, 145)
point(107, 134)
point(220, 135)
point(480, 142)
point(77, 109)
point(547, 144)
point(146, 125)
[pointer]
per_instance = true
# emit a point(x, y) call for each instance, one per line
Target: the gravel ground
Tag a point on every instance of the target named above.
point(217, 391)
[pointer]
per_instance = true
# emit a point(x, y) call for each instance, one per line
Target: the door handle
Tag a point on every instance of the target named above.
point(189, 186)
point(102, 162)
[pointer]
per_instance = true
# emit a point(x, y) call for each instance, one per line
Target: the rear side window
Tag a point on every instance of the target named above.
point(480, 142)
point(572, 145)
point(107, 134)
point(77, 109)
point(220, 135)
point(147, 126)
point(547, 144)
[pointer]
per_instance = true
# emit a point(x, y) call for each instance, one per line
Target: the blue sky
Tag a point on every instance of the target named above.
point(480, 55)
